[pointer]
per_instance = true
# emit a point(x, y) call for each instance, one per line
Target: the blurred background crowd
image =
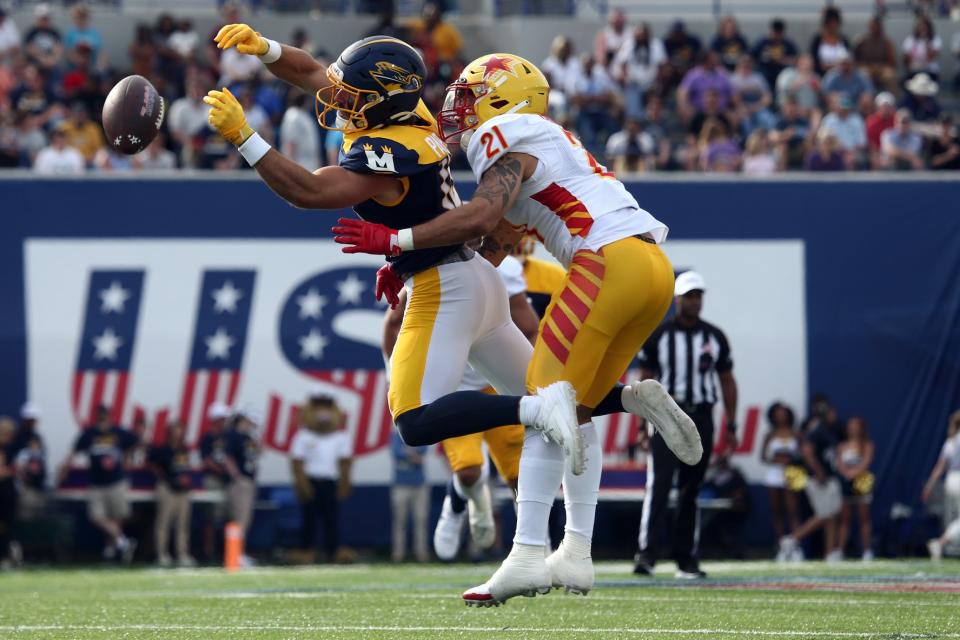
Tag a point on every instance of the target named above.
point(646, 101)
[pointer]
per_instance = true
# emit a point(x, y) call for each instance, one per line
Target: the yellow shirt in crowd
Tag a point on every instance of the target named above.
point(86, 138)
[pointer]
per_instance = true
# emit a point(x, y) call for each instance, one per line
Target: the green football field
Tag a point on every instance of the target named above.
point(740, 600)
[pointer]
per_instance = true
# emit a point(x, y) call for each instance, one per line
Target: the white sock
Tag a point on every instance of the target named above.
point(580, 492)
point(529, 408)
point(953, 531)
point(541, 472)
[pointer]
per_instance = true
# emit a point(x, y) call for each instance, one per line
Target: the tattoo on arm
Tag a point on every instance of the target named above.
point(501, 181)
point(491, 248)
point(500, 242)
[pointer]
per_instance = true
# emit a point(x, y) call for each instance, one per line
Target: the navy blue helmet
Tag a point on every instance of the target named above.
point(375, 82)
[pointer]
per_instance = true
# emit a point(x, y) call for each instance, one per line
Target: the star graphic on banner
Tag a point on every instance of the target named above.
point(113, 298)
point(495, 63)
point(311, 304)
point(105, 347)
point(312, 345)
point(350, 289)
point(218, 345)
point(225, 298)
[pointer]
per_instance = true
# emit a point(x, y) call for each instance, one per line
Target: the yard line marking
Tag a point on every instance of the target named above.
point(444, 594)
point(499, 629)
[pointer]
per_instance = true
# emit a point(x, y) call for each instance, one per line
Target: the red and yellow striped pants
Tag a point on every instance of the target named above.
point(612, 300)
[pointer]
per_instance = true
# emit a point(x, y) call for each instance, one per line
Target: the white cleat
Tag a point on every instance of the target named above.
point(648, 399)
point(557, 421)
point(571, 567)
point(446, 537)
point(482, 528)
point(523, 573)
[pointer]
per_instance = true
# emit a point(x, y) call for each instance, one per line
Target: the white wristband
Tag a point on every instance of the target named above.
point(273, 53)
point(254, 149)
point(405, 239)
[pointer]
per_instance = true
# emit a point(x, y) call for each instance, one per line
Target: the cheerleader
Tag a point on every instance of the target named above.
point(781, 448)
point(854, 457)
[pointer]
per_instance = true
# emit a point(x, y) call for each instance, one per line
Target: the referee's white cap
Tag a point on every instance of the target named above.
point(688, 281)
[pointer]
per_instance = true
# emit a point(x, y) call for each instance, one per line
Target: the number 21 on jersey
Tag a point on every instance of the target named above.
point(493, 141)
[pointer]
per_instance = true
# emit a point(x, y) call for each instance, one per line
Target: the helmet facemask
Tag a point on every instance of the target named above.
point(459, 114)
point(348, 103)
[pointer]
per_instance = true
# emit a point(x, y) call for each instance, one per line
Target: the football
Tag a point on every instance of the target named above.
point(132, 115)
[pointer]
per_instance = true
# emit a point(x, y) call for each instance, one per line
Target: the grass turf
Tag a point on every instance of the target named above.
point(750, 600)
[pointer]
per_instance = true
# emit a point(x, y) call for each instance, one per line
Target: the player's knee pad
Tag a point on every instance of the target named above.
point(412, 430)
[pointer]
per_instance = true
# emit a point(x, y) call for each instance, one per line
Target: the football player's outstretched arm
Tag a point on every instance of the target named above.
point(294, 66)
point(327, 188)
point(299, 68)
point(494, 196)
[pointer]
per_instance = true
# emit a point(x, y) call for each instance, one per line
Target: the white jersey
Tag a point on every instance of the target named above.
point(511, 272)
point(571, 201)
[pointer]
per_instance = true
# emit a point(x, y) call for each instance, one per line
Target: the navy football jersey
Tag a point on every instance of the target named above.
point(417, 155)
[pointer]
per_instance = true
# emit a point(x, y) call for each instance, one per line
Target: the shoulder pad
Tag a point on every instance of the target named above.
point(504, 134)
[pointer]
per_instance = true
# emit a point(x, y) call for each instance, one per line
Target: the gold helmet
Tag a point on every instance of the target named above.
point(492, 85)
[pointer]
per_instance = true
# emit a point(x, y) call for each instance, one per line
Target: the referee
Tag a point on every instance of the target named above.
point(691, 358)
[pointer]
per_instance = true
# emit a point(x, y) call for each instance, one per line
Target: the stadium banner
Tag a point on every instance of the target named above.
point(255, 324)
point(142, 295)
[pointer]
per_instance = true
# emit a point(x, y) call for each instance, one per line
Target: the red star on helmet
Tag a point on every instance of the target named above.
point(495, 63)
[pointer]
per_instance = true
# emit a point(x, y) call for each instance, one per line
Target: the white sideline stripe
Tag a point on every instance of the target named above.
point(447, 595)
point(499, 629)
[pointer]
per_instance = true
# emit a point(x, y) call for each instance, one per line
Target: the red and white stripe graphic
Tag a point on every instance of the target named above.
point(92, 388)
point(622, 428)
point(200, 390)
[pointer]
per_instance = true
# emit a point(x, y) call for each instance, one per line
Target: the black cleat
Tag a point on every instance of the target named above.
point(641, 566)
point(689, 570)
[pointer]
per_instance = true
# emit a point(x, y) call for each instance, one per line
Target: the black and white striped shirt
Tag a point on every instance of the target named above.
point(687, 360)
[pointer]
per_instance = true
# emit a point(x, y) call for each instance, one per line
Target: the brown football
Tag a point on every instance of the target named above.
point(132, 115)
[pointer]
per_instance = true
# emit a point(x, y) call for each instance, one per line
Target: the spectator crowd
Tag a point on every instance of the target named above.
point(678, 103)
point(53, 85)
point(643, 102)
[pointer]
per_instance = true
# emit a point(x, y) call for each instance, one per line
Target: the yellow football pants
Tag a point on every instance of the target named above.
point(612, 300)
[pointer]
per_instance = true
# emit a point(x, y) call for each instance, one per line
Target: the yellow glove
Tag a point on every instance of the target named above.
point(226, 116)
point(243, 37)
